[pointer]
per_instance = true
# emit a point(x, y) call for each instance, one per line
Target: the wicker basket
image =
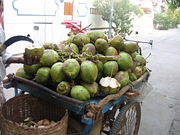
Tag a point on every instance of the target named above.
point(21, 107)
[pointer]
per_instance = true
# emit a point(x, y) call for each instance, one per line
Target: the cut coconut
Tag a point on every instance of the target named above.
point(34, 52)
point(104, 82)
point(109, 82)
point(114, 83)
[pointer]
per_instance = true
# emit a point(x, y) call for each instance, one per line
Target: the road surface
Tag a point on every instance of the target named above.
point(161, 108)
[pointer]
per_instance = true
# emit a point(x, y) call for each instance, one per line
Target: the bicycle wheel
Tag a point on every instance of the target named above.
point(128, 120)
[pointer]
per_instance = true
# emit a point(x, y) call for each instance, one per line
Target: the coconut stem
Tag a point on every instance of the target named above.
point(85, 56)
point(101, 58)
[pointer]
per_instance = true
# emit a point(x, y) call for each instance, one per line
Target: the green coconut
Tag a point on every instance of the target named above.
point(81, 39)
point(71, 68)
point(94, 35)
point(108, 90)
point(70, 39)
point(21, 73)
point(113, 90)
point(130, 47)
point(57, 74)
point(71, 48)
point(89, 49)
point(34, 52)
point(101, 45)
point(110, 68)
point(144, 69)
point(123, 78)
point(63, 88)
point(60, 47)
point(31, 69)
point(49, 57)
point(125, 61)
point(132, 77)
point(109, 85)
point(49, 45)
point(117, 42)
point(133, 55)
point(111, 51)
point(140, 60)
point(93, 88)
point(99, 65)
point(89, 71)
point(43, 75)
point(138, 71)
point(105, 90)
point(79, 92)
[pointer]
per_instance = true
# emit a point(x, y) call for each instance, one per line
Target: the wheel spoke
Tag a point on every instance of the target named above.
point(129, 122)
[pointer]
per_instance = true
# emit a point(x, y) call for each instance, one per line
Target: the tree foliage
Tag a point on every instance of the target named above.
point(168, 19)
point(173, 4)
point(119, 12)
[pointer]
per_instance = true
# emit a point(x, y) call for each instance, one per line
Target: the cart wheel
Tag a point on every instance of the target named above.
point(128, 120)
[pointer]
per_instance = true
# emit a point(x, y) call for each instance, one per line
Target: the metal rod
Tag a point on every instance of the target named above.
point(101, 28)
point(137, 41)
point(110, 19)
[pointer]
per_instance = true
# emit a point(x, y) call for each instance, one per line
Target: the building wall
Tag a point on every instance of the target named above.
point(25, 18)
point(82, 13)
point(144, 22)
point(42, 18)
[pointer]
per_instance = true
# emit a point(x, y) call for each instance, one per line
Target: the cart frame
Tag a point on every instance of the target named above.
point(91, 111)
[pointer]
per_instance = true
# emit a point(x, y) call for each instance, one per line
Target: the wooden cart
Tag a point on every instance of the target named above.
point(113, 114)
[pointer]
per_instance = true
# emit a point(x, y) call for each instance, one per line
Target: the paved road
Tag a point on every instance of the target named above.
point(161, 108)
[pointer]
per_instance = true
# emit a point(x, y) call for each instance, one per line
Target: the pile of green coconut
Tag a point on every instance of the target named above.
point(86, 65)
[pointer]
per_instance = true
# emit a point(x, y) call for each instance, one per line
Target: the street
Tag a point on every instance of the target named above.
point(161, 107)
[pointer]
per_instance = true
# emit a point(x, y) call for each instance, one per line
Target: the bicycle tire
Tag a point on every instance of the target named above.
point(121, 124)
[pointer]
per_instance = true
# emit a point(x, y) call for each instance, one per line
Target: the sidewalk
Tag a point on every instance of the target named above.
point(161, 108)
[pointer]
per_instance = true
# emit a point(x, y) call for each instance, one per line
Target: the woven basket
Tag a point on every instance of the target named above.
point(21, 107)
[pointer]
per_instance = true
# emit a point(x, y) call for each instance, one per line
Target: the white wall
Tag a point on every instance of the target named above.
point(82, 13)
point(20, 18)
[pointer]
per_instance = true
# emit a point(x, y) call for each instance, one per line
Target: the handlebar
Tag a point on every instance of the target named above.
point(14, 39)
point(138, 41)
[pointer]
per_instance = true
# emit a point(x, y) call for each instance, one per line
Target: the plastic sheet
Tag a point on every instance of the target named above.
point(143, 90)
